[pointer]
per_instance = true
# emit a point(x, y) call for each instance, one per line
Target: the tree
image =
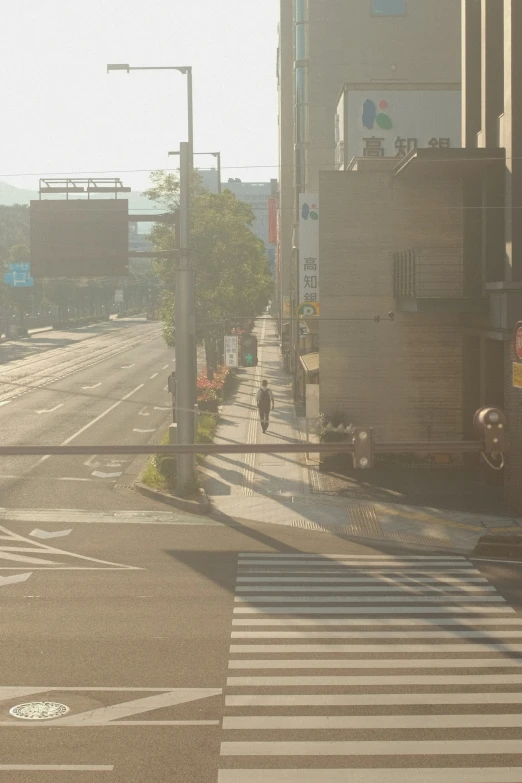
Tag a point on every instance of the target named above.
point(233, 281)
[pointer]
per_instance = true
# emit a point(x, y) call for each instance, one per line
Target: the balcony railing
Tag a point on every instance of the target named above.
point(429, 273)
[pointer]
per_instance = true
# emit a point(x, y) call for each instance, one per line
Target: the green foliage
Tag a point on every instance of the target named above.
point(233, 280)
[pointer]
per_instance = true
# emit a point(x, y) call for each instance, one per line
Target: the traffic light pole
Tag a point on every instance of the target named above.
point(185, 330)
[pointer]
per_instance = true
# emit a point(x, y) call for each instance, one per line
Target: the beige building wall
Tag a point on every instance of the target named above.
point(403, 377)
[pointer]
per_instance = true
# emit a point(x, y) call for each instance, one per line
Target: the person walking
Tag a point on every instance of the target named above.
point(265, 403)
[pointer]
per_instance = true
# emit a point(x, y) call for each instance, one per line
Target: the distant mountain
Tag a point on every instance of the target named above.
point(10, 195)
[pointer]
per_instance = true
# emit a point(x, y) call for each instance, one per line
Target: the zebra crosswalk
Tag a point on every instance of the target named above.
point(371, 668)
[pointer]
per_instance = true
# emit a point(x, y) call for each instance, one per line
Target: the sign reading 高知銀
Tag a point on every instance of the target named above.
point(309, 250)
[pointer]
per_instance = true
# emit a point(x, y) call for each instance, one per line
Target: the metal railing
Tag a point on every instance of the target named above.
point(429, 273)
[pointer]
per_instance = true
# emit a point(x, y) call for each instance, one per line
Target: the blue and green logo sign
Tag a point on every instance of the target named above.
point(371, 115)
point(310, 211)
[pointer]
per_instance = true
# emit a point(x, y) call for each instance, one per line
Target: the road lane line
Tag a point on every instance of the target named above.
point(241, 581)
point(101, 416)
point(94, 386)
point(371, 699)
point(165, 367)
point(377, 663)
point(362, 558)
point(155, 375)
point(323, 610)
point(372, 722)
point(138, 430)
point(384, 621)
point(390, 774)
point(478, 647)
point(374, 748)
point(375, 680)
point(418, 598)
point(52, 410)
point(385, 588)
point(56, 767)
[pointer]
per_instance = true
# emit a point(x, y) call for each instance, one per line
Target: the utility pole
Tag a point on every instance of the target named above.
point(185, 329)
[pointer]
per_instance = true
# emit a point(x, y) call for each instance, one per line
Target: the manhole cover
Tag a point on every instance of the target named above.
point(39, 710)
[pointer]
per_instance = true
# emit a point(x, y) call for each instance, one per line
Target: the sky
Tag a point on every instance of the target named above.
point(62, 114)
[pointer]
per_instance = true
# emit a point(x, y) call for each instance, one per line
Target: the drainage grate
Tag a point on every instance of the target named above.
point(39, 710)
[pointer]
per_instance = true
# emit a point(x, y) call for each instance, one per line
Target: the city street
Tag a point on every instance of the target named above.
point(105, 384)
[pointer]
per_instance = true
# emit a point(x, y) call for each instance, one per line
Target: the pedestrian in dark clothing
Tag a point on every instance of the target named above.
point(265, 403)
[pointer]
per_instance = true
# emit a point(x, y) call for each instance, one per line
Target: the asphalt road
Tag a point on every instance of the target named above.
point(103, 385)
point(191, 651)
point(163, 647)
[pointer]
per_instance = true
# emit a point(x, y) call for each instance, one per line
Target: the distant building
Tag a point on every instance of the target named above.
point(257, 195)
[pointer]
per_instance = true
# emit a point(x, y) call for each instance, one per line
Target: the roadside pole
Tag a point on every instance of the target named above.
point(185, 327)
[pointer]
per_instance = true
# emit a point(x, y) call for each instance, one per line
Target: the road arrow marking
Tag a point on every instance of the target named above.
point(52, 410)
point(37, 533)
point(11, 580)
point(99, 474)
point(92, 387)
point(137, 430)
point(143, 411)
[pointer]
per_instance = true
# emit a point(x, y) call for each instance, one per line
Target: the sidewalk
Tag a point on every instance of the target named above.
point(282, 490)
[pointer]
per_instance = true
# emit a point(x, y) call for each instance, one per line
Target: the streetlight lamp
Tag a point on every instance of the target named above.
point(216, 155)
point(186, 70)
point(186, 361)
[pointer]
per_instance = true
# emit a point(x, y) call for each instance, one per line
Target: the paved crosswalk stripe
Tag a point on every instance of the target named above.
point(417, 589)
point(416, 609)
point(418, 598)
point(386, 580)
point(370, 699)
point(386, 621)
point(372, 680)
point(377, 663)
point(393, 630)
point(390, 775)
point(336, 561)
point(319, 556)
point(371, 722)
point(373, 748)
point(478, 647)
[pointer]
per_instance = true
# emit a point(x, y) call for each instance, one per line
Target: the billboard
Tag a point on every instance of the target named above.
point(79, 238)
point(391, 123)
point(309, 251)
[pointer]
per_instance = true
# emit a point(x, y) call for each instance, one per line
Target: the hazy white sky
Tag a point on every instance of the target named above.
point(61, 112)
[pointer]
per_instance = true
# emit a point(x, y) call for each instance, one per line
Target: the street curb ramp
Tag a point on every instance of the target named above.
point(507, 547)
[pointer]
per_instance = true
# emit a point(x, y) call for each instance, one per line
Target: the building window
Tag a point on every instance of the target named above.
point(388, 7)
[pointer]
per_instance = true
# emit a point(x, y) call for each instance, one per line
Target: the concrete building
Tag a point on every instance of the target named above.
point(258, 196)
point(323, 44)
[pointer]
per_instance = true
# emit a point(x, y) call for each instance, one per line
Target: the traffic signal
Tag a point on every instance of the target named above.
point(248, 351)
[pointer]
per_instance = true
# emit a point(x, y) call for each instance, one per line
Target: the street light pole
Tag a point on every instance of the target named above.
point(185, 322)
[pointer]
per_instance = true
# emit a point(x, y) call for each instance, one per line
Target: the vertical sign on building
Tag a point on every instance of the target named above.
point(272, 221)
point(309, 253)
point(231, 351)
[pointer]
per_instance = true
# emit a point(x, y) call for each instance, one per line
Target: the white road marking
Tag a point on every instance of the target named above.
point(384, 622)
point(478, 647)
point(339, 569)
point(127, 366)
point(100, 474)
point(159, 408)
point(377, 663)
point(143, 411)
point(143, 431)
point(154, 375)
point(44, 534)
point(165, 367)
point(5, 402)
point(72, 478)
point(419, 598)
point(485, 634)
point(52, 410)
point(373, 748)
point(94, 386)
point(390, 775)
point(371, 609)
point(56, 767)
point(371, 699)
point(18, 542)
point(384, 588)
point(92, 458)
point(165, 388)
point(383, 580)
point(329, 562)
point(372, 722)
point(374, 680)
point(101, 416)
point(105, 715)
point(361, 558)
point(10, 580)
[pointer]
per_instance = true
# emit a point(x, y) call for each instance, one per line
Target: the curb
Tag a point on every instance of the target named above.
point(200, 506)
